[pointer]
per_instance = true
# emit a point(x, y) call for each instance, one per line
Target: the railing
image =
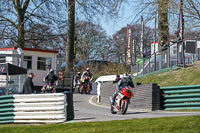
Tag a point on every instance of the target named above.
point(33, 108)
point(168, 57)
point(180, 97)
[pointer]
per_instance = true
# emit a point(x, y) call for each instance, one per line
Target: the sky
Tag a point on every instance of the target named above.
point(112, 26)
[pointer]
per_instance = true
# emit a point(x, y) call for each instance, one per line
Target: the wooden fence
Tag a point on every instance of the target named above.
point(33, 108)
point(180, 97)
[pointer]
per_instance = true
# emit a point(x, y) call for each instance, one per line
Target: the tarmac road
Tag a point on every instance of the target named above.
point(86, 111)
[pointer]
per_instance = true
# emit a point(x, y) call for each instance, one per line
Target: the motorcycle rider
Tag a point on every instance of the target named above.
point(125, 81)
point(117, 79)
point(50, 78)
point(76, 78)
point(89, 74)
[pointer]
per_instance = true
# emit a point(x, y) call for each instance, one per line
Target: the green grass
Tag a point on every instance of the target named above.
point(180, 77)
point(154, 125)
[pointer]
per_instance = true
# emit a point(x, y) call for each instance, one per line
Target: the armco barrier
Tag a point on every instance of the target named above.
point(180, 97)
point(33, 108)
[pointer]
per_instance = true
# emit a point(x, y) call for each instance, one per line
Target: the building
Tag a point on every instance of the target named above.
point(37, 61)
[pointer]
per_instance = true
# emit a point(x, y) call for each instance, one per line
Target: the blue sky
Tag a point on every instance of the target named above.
point(112, 26)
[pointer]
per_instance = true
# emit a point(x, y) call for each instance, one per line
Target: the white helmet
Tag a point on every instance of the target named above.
point(125, 76)
point(88, 69)
point(51, 71)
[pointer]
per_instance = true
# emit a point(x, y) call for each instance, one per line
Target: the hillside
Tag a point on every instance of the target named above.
point(182, 76)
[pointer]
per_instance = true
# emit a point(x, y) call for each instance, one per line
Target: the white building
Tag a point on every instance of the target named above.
point(35, 60)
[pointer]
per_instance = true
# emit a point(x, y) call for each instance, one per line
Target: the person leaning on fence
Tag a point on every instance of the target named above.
point(28, 84)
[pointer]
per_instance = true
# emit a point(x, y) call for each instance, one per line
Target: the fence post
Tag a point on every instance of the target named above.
point(150, 65)
point(183, 53)
point(169, 65)
point(154, 61)
point(177, 54)
point(161, 60)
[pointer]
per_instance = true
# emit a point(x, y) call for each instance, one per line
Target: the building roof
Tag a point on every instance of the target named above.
point(30, 49)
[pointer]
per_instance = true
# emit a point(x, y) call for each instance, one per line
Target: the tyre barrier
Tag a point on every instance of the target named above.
point(33, 108)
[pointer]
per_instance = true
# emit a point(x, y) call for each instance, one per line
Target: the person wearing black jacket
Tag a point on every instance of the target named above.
point(28, 84)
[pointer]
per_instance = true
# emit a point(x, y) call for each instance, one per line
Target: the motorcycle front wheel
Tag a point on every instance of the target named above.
point(124, 106)
point(112, 110)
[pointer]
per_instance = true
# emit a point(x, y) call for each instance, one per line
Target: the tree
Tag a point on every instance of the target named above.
point(119, 41)
point(17, 15)
point(91, 9)
point(92, 41)
point(163, 27)
point(41, 36)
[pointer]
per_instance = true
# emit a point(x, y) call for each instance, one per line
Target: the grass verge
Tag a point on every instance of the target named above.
point(154, 125)
point(180, 77)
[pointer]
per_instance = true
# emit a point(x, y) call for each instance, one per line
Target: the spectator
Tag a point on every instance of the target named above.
point(28, 84)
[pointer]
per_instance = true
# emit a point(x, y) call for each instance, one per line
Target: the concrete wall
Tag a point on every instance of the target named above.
point(146, 97)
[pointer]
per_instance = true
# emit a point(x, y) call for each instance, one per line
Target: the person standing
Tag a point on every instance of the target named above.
point(28, 84)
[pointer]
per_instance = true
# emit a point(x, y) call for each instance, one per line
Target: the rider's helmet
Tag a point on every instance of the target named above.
point(79, 73)
point(51, 71)
point(125, 76)
point(88, 69)
point(117, 76)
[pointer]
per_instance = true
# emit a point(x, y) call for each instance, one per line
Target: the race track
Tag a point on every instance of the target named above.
point(85, 111)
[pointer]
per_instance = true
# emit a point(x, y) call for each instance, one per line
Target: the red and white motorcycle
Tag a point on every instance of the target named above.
point(121, 101)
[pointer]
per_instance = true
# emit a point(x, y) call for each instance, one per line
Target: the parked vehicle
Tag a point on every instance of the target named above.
point(121, 101)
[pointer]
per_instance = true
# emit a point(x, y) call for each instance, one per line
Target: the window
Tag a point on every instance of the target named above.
point(174, 50)
point(43, 63)
point(28, 62)
point(2, 59)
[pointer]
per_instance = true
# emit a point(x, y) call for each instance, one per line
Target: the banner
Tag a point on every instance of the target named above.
point(129, 49)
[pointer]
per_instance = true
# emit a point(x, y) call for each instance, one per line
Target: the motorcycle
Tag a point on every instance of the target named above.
point(85, 85)
point(48, 88)
point(77, 86)
point(121, 101)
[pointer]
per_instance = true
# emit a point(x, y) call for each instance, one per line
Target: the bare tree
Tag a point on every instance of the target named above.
point(17, 15)
point(119, 41)
point(91, 42)
point(41, 36)
point(91, 9)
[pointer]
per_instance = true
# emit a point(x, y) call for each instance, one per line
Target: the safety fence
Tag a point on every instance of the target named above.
point(169, 56)
point(33, 108)
point(180, 97)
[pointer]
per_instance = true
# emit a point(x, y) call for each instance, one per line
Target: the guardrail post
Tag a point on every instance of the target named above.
point(70, 105)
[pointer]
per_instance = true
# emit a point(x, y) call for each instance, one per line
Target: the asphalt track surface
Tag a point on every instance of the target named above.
point(86, 110)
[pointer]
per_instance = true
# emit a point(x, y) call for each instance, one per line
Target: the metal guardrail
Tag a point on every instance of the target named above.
point(180, 97)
